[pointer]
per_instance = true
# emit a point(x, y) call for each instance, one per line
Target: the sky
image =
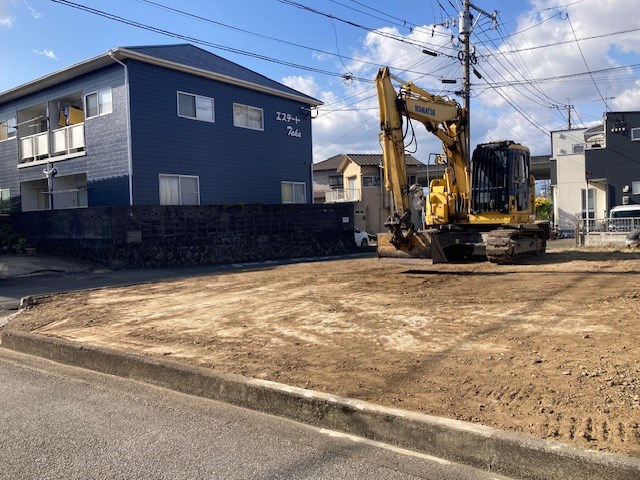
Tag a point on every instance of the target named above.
point(539, 60)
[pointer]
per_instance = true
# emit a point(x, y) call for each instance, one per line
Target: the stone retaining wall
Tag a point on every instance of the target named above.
point(153, 236)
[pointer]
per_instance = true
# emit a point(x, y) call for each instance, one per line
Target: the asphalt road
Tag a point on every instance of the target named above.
point(63, 422)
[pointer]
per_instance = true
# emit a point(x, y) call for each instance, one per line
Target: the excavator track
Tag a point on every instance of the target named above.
point(510, 245)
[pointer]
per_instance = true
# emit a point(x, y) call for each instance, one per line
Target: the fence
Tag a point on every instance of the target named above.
point(153, 236)
point(606, 231)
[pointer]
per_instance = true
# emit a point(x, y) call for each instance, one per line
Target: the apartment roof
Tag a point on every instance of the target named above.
point(361, 159)
point(182, 57)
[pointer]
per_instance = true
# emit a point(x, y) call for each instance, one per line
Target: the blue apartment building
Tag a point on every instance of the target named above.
point(154, 125)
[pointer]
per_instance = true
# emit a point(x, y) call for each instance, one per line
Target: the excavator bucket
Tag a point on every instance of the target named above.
point(423, 244)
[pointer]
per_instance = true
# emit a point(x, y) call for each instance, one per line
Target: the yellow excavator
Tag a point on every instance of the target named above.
point(481, 209)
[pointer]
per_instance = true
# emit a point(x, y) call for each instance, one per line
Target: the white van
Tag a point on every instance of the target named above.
point(624, 218)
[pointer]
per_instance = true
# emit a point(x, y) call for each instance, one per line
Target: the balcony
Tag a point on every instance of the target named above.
point(62, 141)
point(341, 195)
point(34, 147)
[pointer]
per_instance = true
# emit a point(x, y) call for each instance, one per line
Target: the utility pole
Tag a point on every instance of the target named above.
point(568, 107)
point(467, 58)
point(465, 33)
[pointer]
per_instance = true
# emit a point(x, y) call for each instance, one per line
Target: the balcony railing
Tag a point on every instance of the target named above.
point(64, 141)
point(340, 195)
point(68, 139)
point(34, 146)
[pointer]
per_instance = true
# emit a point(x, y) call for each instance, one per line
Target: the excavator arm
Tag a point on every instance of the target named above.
point(443, 118)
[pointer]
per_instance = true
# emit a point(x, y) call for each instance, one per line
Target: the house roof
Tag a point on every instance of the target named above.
point(361, 159)
point(182, 57)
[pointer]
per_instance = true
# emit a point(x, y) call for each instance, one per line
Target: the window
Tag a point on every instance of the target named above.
point(336, 180)
point(635, 134)
point(5, 200)
point(7, 128)
point(294, 192)
point(248, 117)
point(179, 190)
point(577, 148)
point(411, 180)
point(370, 182)
point(635, 188)
point(98, 103)
point(591, 200)
point(196, 107)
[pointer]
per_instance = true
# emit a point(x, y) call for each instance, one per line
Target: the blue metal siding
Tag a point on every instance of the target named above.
point(235, 165)
point(106, 162)
point(619, 162)
point(8, 170)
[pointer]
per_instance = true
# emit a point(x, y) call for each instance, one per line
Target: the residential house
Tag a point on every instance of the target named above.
point(359, 179)
point(149, 125)
point(594, 169)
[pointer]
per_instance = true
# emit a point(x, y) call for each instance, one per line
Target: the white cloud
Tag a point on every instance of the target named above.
point(628, 100)
point(306, 85)
point(6, 20)
point(46, 53)
point(34, 13)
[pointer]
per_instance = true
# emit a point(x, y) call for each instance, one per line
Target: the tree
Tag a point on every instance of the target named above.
point(543, 208)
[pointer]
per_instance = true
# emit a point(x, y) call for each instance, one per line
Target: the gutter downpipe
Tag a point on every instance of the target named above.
point(129, 154)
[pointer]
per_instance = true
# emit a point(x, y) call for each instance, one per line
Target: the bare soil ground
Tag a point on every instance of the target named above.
point(550, 348)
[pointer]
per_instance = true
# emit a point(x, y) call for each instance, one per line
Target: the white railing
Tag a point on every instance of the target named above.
point(69, 138)
point(65, 140)
point(340, 195)
point(610, 225)
point(34, 146)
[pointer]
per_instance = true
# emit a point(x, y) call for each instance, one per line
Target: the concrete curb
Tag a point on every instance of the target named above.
point(461, 442)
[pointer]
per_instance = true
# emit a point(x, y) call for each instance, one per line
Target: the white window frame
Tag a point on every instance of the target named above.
point(635, 134)
point(101, 109)
point(293, 184)
point(178, 177)
point(196, 97)
point(591, 199)
point(15, 130)
point(249, 109)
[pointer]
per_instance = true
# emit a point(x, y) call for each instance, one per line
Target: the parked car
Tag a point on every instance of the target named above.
point(364, 239)
point(624, 218)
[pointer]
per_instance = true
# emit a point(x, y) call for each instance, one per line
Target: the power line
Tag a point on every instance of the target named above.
point(255, 34)
point(586, 64)
point(567, 76)
point(368, 29)
point(514, 69)
point(563, 42)
point(203, 42)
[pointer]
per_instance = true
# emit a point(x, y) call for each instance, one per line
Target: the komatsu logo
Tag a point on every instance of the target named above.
point(425, 110)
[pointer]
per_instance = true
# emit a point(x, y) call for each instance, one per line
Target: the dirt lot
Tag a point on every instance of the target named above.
point(551, 348)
